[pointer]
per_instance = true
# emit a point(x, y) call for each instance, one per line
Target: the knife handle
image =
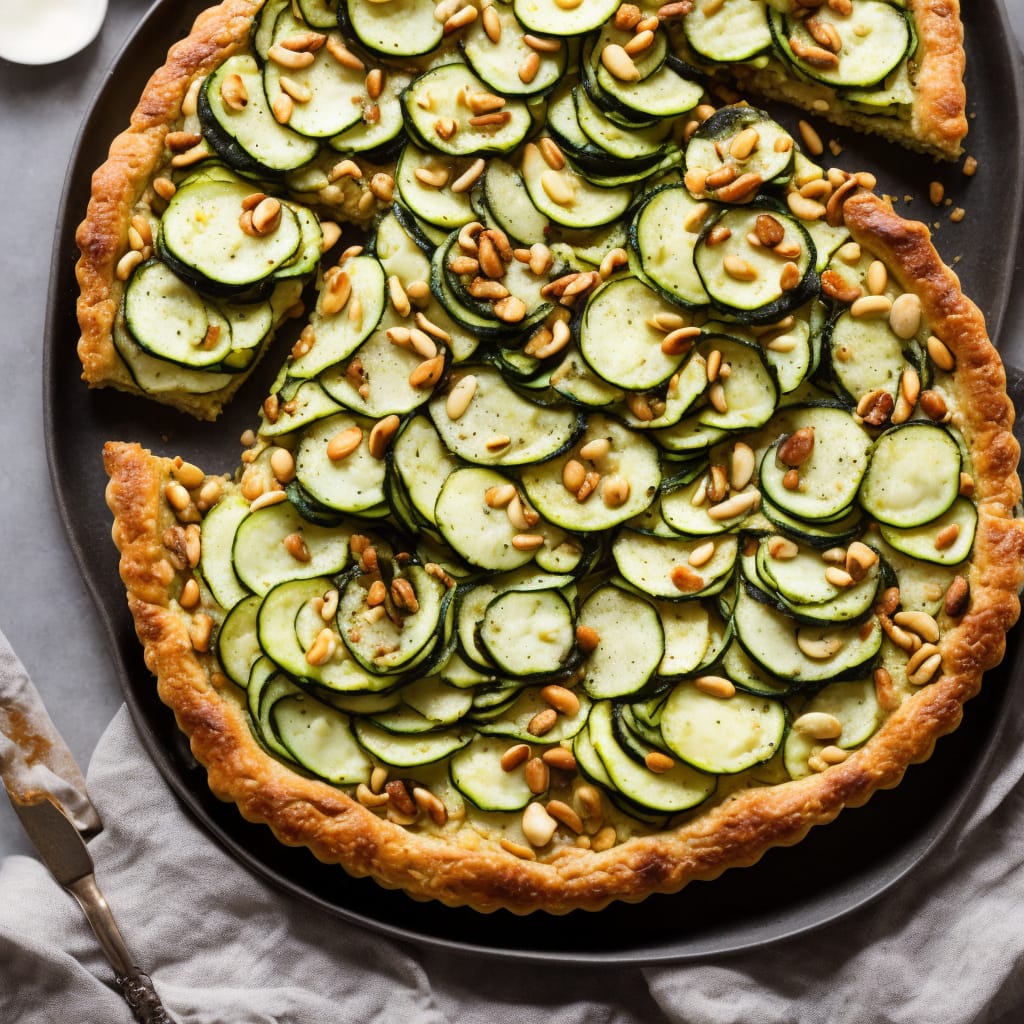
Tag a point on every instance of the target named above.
point(139, 994)
point(136, 987)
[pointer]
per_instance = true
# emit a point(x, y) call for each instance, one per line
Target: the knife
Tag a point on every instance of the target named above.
point(63, 851)
point(48, 794)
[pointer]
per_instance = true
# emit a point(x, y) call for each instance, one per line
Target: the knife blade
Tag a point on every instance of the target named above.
point(34, 757)
point(62, 849)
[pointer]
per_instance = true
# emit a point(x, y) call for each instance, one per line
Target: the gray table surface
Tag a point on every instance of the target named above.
point(45, 610)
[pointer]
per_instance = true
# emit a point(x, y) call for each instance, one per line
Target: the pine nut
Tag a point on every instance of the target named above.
point(919, 622)
point(432, 177)
point(127, 264)
point(460, 396)
point(640, 42)
point(294, 60)
point(737, 505)
point(789, 277)
point(587, 638)
point(200, 631)
point(905, 316)
point(715, 686)
point(368, 798)
point(877, 277)
point(557, 188)
point(560, 758)
point(838, 577)
point(516, 755)
point(939, 354)
point(573, 475)
point(685, 579)
point(565, 815)
point(810, 138)
point(818, 648)
point(923, 664)
point(615, 491)
point(499, 496)
point(296, 546)
point(804, 208)
point(517, 849)
point(431, 804)
point(679, 341)
point(542, 722)
point(562, 699)
point(819, 725)
point(538, 825)
point(469, 177)
point(189, 594)
point(334, 297)
point(598, 448)
point(344, 443)
point(323, 647)
point(329, 608)
point(658, 762)
point(527, 542)
point(427, 374)
point(382, 435)
point(543, 44)
point(343, 55)
point(782, 548)
point(619, 64)
point(538, 776)
point(716, 396)
point(947, 536)
point(871, 306)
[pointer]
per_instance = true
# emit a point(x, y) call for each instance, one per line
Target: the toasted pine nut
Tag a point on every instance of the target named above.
point(818, 648)
point(715, 686)
point(542, 722)
point(615, 491)
point(516, 755)
point(940, 355)
point(819, 725)
point(658, 762)
point(428, 373)
point(562, 699)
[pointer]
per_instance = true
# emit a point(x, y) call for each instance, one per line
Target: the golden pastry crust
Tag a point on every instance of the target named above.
point(434, 864)
point(939, 115)
point(124, 179)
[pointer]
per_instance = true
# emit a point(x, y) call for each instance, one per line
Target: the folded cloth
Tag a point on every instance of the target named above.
point(224, 947)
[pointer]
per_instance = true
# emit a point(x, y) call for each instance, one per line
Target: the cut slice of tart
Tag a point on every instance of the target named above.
point(888, 67)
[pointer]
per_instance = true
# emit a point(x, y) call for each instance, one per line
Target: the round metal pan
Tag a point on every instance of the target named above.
point(836, 869)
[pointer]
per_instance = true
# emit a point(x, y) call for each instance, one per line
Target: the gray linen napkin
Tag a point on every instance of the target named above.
point(224, 948)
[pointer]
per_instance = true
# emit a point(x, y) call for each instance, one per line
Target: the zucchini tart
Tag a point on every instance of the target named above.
point(634, 495)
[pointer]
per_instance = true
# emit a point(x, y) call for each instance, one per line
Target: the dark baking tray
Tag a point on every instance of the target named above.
point(833, 872)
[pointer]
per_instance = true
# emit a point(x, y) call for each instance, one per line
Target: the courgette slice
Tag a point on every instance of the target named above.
point(722, 736)
point(678, 789)
point(621, 667)
point(914, 476)
point(320, 739)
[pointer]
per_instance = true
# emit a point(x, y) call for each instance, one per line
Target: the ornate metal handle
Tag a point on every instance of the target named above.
point(136, 987)
point(139, 994)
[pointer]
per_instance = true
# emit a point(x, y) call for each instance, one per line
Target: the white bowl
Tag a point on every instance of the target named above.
point(47, 31)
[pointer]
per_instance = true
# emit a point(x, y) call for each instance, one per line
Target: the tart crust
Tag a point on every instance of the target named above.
point(124, 180)
point(438, 864)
